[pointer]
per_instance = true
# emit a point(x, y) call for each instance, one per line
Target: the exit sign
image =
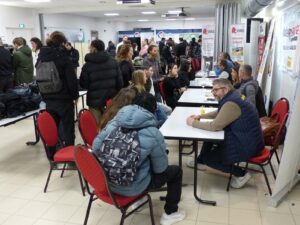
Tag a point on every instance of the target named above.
point(21, 25)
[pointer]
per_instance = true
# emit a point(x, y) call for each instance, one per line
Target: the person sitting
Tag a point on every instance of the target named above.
point(183, 73)
point(235, 74)
point(172, 86)
point(243, 134)
point(230, 64)
point(153, 170)
point(225, 71)
point(250, 89)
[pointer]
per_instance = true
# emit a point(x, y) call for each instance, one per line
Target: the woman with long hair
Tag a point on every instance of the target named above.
point(124, 58)
point(123, 98)
point(139, 80)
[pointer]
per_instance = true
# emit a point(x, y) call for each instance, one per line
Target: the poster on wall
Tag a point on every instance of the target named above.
point(291, 31)
point(72, 35)
point(208, 37)
point(261, 42)
point(237, 32)
point(175, 34)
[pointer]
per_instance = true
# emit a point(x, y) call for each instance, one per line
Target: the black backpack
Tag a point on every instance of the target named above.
point(47, 78)
point(119, 155)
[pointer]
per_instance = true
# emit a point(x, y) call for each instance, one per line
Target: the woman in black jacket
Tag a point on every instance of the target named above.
point(124, 58)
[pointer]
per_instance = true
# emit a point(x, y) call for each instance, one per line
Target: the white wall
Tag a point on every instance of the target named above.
point(11, 17)
point(108, 30)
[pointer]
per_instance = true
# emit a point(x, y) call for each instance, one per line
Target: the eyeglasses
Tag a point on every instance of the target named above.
point(216, 89)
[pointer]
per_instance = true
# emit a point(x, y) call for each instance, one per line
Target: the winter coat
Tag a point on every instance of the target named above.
point(153, 158)
point(102, 77)
point(23, 65)
point(126, 70)
point(5, 62)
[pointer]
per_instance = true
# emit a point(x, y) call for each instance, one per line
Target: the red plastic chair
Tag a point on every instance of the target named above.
point(87, 125)
point(162, 91)
point(94, 175)
point(65, 155)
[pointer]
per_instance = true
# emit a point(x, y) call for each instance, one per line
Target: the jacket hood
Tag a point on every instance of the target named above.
point(98, 57)
point(133, 116)
point(26, 50)
point(50, 53)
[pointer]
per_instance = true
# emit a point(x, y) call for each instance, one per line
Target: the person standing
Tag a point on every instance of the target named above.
point(101, 76)
point(74, 55)
point(151, 61)
point(61, 104)
point(22, 62)
point(6, 69)
point(124, 58)
point(111, 49)
point(36, 45)
point(124, 40)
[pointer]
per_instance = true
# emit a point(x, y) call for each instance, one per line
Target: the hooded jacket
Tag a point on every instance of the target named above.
point(102, 77)
point(23, 65)
point(66, 72)
point(153, 158)
point(5, 62)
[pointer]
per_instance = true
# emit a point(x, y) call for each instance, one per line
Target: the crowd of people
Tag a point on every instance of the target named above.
point(136, 103)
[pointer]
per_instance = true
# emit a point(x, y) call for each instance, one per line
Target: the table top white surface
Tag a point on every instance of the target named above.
point(81, 93)
point(5, 121)
point(202, 73)
point(202, 82)
point(175, 126)
point(197, 96)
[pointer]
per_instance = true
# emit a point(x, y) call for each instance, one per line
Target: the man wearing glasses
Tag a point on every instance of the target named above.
point(243, 135)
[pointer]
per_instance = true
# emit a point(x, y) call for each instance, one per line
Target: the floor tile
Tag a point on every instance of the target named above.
point(11, 205)
point(34, 209)
point(244, 217)
point(269, 218)
point(214, 214)
point(60, 212)
point(14, 220)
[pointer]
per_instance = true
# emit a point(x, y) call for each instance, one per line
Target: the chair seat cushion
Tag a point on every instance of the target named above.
point(121, 200)
point(65, 154)
point(261, 158)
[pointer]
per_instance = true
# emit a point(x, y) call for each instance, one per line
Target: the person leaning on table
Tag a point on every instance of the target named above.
point(243, 135)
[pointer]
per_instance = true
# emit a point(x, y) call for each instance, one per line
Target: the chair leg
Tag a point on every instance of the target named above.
point(88, 209)
point(81, 183)
point(63, 170)
point(151, 209)
point(272, 169)
point(48, 178)
point(229, 179)
point(123, 218)
point(266, 178)
point(277, 157)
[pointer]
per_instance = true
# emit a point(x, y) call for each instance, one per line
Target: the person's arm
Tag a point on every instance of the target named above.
point(84, 78)
point(119, 78)
point(229, 112)
point(71, 79)
point(250, 93)
point(76, 57)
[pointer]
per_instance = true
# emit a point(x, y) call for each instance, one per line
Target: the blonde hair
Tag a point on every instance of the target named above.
point(138, 80)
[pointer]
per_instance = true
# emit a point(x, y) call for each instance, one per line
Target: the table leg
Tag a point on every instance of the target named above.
point(180, 153)
point(82, 100)
point(37, 136)
point(195, 148)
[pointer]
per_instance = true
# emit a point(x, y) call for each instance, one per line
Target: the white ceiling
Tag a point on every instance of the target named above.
point(96, 8)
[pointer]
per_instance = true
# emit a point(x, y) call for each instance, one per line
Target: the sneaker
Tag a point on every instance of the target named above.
point(239, 182)
point(200, 166)
point(172, 218)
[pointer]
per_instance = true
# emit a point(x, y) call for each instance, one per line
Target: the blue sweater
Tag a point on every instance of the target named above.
point(153, 158)
point(243, 137)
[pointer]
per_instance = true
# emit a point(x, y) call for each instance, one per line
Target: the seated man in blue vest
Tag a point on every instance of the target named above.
point(243, 135)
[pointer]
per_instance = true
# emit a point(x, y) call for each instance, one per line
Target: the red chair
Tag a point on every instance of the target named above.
point(65, 155)
point(94, 175)
point(87, 125)
point(108, 102)
point(162, 91)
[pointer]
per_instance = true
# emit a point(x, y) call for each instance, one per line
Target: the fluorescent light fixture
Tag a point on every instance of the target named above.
point(174, 11)
point(280, 3)
point(37, 1)
point(189, 18)
point(135, 1)
point(170, 19)
point(149, 13)
point(143, 20)
point(274, 12)
point(111, 14)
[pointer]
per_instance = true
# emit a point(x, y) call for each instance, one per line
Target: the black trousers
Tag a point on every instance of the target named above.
point(173, 177)
point(211, 155)
point(63, 113)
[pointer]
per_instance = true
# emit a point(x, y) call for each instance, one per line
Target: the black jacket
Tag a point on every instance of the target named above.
point(5, 62)
point(126, 70)
point(74, 56)
point(65, 69)
point(102, 77)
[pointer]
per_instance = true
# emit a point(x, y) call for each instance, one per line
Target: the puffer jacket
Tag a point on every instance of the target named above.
point(102, 77)
point(23, 65)
point(153, 158)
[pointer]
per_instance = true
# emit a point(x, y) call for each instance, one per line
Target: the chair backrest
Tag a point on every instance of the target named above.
point(281, 107)
point(87, 126)
point(280, 132)
point(162, 90)
point(93, 173)
point(47, 129)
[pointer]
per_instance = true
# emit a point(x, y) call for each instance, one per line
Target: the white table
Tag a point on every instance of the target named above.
point(201, 83)
point(202, 73)
point(8, 121)
point(176, 128)
point(81, 95)
point(197, 97)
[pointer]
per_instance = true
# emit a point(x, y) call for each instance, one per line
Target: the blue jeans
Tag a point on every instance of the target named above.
point(160, 115)
point(211, 155)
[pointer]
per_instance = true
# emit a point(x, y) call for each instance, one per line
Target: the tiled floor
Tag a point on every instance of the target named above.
point(23, 172)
